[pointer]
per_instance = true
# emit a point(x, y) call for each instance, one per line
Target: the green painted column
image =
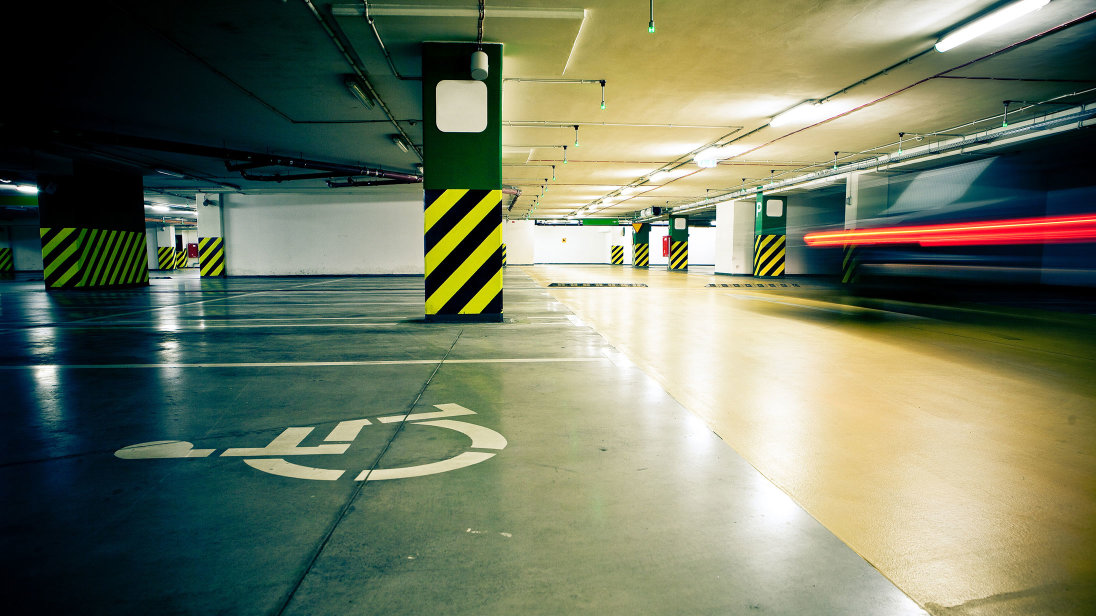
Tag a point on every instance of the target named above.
point(770, 236)
point(641, 245)
point(462, 161)
point(93, 228)
point(679, 244)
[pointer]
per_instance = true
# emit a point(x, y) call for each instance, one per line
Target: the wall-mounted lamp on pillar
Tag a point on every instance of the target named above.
point(479, 65)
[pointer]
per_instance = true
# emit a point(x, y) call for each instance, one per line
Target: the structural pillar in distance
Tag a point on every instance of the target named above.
point(211, 245)
point(679, 244)
point(165, 247)
point(641, 244)
point(462, 161)
point(93, 228)
point(770, 239)
point(7, 258)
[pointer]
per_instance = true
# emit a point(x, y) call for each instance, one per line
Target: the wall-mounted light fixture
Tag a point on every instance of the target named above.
point(990, 22)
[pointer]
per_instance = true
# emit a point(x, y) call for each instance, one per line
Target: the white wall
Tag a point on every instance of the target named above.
point(518, 235)
point(734, 237)
point(380, 232)
point(702, 245)
point(576, 244)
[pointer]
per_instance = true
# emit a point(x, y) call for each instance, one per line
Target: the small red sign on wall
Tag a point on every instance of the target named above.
point(665, 245)
point(192, 251)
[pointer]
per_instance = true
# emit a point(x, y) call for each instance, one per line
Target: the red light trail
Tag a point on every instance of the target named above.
point(1042, 230)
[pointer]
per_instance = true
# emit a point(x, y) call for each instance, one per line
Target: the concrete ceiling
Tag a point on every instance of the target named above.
point(264, 76)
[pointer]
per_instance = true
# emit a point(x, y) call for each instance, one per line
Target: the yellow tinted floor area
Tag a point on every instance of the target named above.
point(952, 447)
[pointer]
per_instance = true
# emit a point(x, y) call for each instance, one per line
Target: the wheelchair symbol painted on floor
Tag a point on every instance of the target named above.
point(271, 458)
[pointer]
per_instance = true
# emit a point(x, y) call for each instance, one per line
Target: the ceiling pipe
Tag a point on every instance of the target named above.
point(384, 49)
point(251, 159)
point(335, 34)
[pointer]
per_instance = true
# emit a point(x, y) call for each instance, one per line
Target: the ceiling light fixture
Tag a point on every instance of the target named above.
point(399, 143)
point(27, 189)
point(651, 24)
point(990, 22)
point(576, 135)
point(803, 113)
point(358, 92)
point(565, 155)
point(603, 94)
point(659, 175)
point(553, 173)
point(627, 190)
point(170, 173)
point(161, 208)
point(707, 159)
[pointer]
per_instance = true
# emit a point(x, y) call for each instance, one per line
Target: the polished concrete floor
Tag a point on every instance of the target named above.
point(311, 446)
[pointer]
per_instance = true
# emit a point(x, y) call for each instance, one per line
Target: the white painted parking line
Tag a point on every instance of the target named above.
point(162, 449)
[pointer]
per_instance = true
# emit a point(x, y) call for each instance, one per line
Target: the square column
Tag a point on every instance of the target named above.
point(679, 244)
point(641, 245)
point(93, 228)
point(462, 161)
point(770, 236)
point(211, 245)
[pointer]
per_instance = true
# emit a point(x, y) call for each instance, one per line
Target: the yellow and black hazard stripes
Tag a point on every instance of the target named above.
point(641, 255)
point(165, 257)
point(769, 255)
point(180, 259)
point(679, 255)
point(7, 263)
point(616, 255)
point(81, 258)
point(211, 256)
point(850, 259)
point(463, 245)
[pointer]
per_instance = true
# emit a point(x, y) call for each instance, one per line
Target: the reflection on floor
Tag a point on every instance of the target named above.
point(954, 447)
point(311, 446)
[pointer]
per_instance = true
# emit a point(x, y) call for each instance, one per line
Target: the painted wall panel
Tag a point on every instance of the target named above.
point(277, 235)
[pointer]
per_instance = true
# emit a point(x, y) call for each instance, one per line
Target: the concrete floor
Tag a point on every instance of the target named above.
point(608, 450)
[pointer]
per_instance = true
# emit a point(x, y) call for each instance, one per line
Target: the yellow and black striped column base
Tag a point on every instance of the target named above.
point(211, 256)
point(641, 255)
point(616, 255)
point(463, 245)
point(769, 255)
point(165, 258)
point(7, 264)
point(679, 255)
point(180, 259)
point(504, 255)
point(850, 262)
point(79, 258)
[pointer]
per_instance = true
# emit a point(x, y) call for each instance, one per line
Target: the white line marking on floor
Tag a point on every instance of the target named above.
point(482, 438)
point(467, 458)
point(447, 410)
point(288, 444)
point(309, 364)
point(162, 449)
point(283, 468)
point(347, 430)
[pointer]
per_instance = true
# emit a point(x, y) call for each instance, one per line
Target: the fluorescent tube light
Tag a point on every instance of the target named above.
point(161, 208)
point(992, 21)
point(169, 173)
point(358, 92)
point(27, 189)
point(803, 113)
